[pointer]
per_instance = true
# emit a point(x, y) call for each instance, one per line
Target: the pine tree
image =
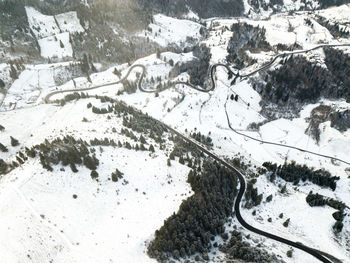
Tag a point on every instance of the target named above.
point(3, 166)
point(2, 84)
point(61, 44)
point(94, 174)
point(169, 162)
point(2, 128)
point(151, 148)
point(13, 72)
point(181, 160)
point(3, 148)
point(14, 142)
point(142, 139)
point(85, 64)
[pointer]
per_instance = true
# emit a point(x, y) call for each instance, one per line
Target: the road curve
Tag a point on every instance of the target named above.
point(238, 200)
point(48, 96)
point(311, 251)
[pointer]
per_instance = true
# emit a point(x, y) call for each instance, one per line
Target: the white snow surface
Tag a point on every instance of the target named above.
point(108, 222)
point(166, 31)
point(111, 222)
point(51, 31)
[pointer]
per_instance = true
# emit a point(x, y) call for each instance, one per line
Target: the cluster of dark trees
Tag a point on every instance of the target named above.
point(125, 144)
point(340, 120)
point(207, 140)
point(328, 3)
point(320, 200)
point(204, 8)
point(294, 173)
point(245, 37)
point(237, 248)
point(142, 123)
point(67, 151)
point(300, 81)
point(260, 4)
point(14, 143)
point(15, 32)
point(333, 28)
point(129, 86)
point(338, 64)
point(100, 16)
point(132, 118)
point(86, 64)
point(73, 96)
point(200, 218)
point(253, 198)
point(198, 68)
point(117, 175)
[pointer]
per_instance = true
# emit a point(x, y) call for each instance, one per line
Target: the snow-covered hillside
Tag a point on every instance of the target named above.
point(170, 31)
point(67, 216)
point(52, 32)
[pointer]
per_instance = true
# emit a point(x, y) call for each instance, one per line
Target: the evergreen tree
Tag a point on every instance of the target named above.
point(2, 84)
point(2, 128)
point(14, 142)
point(151, 148)
point(3, 148)
point(13, 72)
point(142, 147)
point(61, 44)
point(94, 174)
point(181, 160)
point(142, 139)
point(85, 64)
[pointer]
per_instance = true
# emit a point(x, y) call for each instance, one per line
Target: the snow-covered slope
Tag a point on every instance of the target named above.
point(52, 32)
point(171, 31)
point(69, 217)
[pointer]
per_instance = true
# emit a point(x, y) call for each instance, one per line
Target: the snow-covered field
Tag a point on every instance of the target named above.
point(107, 222)
point(52, 32)
point(171, 31)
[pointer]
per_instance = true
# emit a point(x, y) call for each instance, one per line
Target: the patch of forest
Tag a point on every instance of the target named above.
point(295, 173)
point(328, 3)
point(320, 200)
point(204, 8)
point(245, 38)
point(298, 81)
point(334, 28)
point(100, 19)
point(198, 69)
point(237, 248)
point(15, 34)
point(200, 218)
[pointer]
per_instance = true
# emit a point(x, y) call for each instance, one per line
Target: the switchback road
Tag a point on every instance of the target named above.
point(322, 256)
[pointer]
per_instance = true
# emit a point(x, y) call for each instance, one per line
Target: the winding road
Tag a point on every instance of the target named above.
point(322, 256)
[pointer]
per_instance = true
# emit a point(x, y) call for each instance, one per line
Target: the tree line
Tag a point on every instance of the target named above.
point(320, 200)
point(295, 173)
point(200, 218)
